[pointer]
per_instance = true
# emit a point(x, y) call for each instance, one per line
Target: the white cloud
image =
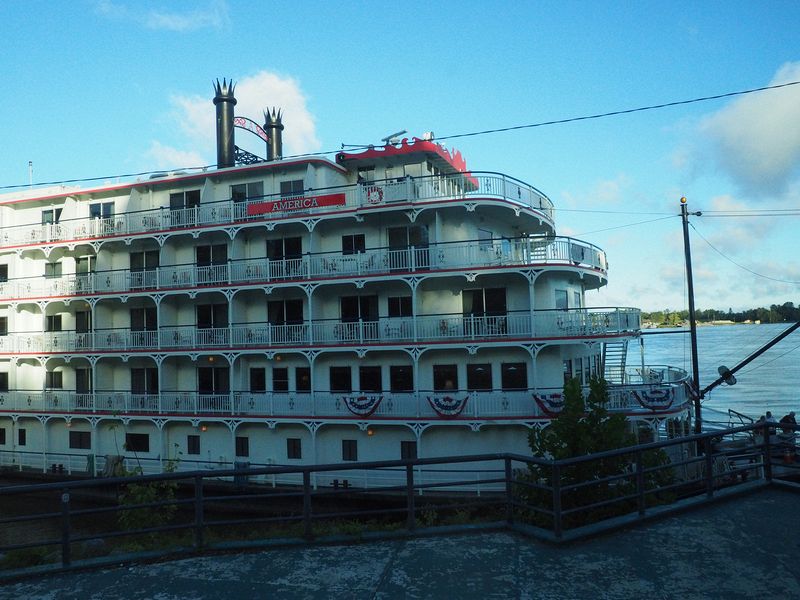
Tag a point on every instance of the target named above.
point(755, 139)
point(168, 158)
point(196, 115)
point(214, 15)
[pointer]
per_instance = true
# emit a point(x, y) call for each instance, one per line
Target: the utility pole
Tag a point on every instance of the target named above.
point(698, 416)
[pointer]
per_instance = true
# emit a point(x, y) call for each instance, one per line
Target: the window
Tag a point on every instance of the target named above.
point(3, 273)
point(294, 448)
point(192, 444)
point(258, 380)
point(561, 299)
point(401, 378)
point(484, 302)
point(144, 381)
point(53, 380)
point(51, 216)
point(213, 380)
point(400, 306)
point(479, 377)
point(285, 312)
point(280, 379)
point(302, 379)
point(52, 270)
point(349, 449)
point(285, 248)
point(144, 319)
point(366, 174)
point(369, 379)
point(408, 450)
point(80, 440)
point(83, 381)
point(52, 323)
point(83, 321)
point(244, 191)
point(359, 308)
point(242, 446)
point(3, 325)
point(445, 377)
point(3, 381)
point(403, 238)
point(212, 316)
point(567, 370)
point(22, 437)
point(146, 260)
point(340, 379)
point(514, 376)
point(137, 442)
point(291, 188)
point(2, 436)
point(101, 210)
point(576, 299)
point(354, 243)
point(216, 254)
point(179, 200)
point(484, 239)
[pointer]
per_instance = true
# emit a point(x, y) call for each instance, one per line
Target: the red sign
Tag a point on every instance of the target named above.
point(295, 203)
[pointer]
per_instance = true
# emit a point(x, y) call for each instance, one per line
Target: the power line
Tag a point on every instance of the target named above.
point(626, 225)
point(730, 260)
point(453, 136)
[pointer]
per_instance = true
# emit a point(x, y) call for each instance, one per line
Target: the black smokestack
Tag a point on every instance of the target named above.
point(224, 101)
point(274, 129)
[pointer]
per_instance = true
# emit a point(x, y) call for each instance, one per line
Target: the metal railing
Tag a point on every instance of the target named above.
point(512, 253)
point(274, 504)
point(321, 201)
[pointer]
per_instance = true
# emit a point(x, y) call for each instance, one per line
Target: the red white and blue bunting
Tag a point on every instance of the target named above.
point(447, 406)
point(362, 406)
point(550, 404)
point(660, 399)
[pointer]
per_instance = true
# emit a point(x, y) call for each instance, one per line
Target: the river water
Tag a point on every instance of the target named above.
point(770, 382)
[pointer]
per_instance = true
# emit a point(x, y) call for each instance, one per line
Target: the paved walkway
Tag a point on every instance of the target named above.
point(747, 547)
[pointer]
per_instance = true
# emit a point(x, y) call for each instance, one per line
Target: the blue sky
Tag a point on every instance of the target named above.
point(107, 87)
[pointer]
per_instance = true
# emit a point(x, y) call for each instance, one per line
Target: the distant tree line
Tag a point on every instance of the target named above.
point(786, 312)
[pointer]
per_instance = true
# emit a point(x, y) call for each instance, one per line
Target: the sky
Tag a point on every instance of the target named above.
point(104, 88)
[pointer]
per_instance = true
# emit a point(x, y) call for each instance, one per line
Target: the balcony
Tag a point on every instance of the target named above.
point(443, 257)
point(377, 406)
point(459, 328)
point(375, 195)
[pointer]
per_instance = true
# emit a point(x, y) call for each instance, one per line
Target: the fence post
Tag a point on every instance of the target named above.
point(307, 532)
point(640, 483)
point(411, 521)
point(709, 456)
point(557, 524)
point(509, 491)
point(66, 555)
point(767, 454)
point(198, 512)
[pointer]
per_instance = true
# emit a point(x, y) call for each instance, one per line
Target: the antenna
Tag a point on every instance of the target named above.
point(392, 138)
point(30, 173)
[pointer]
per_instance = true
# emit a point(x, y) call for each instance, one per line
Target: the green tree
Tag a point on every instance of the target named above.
point(582, 428)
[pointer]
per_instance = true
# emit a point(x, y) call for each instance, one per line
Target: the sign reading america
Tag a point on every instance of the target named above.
point(295, 203)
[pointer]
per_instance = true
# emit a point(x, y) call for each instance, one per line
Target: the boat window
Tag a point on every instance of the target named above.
point(561, 299)
point(192, 444)
point(294, 448)
point(280, 379)
point(244, 191)
point(291, 188)
point(514, 376)
point(340, 380)
point(408, 450)
point(242, 446)
point(400, 306)
point(349, 449)
point(445, 377)
point(401, 378)
point(354, 243)
point(369, 379)
point(137, 442)
point(258, 380)
point(302, 379)
point(479, 377)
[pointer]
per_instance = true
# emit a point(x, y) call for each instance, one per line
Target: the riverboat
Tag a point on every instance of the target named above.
point(385, 303)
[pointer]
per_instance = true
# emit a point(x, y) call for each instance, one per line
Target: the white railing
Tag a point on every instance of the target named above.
point(425, 404)
point(506, 253)
point(538, 324)
point(373, 195)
